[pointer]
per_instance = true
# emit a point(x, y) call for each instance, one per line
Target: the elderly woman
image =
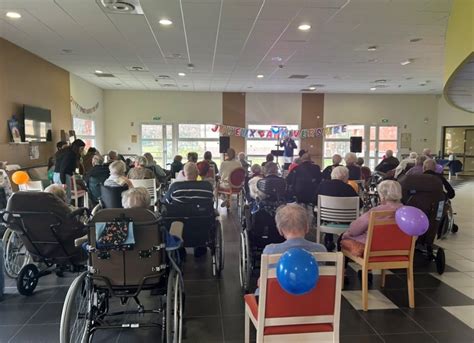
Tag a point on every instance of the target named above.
point(351, 164)
point(117, 176)
point(336, 162)
point(418, 168)
point(140, 172)
point(256, 175)
point(390, 193)
point(59, 191)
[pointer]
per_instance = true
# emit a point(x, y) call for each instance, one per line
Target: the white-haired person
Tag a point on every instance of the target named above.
point(60, 192)
point(417, 169)
point(256, 174)
point(140, 170)
point(388, 163)
point(351, 164)
point(429, 167)
point(243, 161)
point(336, 162)
point(406, 164)
point(226, 169)
point(5, 180)
point(117, 176)
point(427, 152)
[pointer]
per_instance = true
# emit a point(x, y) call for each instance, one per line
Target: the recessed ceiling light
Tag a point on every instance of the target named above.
point(304, 27)
point(373, 88)
point(181, 74)
point(260, 76)
point(372, 48)
point(13, 15)
point(190, 66)
point(277, 59)
point(165, 22)
point(312, 88)
point(99, 72)
point(406, 62)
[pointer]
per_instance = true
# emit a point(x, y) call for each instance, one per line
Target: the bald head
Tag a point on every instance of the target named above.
point(389, 153)
point(292, 219)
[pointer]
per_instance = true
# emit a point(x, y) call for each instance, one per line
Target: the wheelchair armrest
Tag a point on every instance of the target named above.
point(80, 211)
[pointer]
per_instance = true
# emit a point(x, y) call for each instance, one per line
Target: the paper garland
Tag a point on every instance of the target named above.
point(84, 110)
point(226, 130)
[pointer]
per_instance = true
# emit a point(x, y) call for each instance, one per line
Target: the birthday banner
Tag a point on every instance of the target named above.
point(276, 132)
point(84, 110)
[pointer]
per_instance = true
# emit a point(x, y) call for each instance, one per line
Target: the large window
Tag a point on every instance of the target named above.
point(157, 139)
point(198, 138)
point(257, 148)
point(85, 130)
point(338, 142)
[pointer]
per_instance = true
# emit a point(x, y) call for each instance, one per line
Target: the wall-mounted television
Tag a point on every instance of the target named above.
point(37, 124)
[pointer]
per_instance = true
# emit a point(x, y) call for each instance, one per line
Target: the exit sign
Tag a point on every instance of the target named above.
point(384, 121)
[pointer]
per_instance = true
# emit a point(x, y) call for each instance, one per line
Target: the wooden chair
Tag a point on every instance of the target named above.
point(150, 185)
point(335, 214)
point(234, 186)
point(282, 317)
point(76, 194)
point(31, 186)
point(387, 247)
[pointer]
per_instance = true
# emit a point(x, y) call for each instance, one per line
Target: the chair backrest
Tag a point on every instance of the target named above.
point(237, 178)
point(337, 209)
point(111, 197)
point(384, 237)
point(31, 186)
point(273, 187)
point(150, 185)
point(320, 306)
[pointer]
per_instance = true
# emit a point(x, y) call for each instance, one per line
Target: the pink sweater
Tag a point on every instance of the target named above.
point(358, 229)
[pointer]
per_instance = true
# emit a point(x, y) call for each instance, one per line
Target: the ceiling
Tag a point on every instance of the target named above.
point(460, 88)
point(230, 42)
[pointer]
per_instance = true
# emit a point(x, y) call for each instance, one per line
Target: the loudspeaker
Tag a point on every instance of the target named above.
point(224, 144)
point(356, 144)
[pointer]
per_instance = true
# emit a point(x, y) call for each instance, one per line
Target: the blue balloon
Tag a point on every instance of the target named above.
point(297, 271)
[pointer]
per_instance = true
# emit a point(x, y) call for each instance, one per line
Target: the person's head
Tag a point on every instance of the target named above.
point(360, 161)
point(230, 154)
point(389, 190)
point(256, 169)
point(192, 157)
point(78, 146)
point(208, 155)
point(203, 168)
point(269, 158)
point(241, 156)
point(306, 157)
point(340, 173)
point(141, 162)
point(190, 171)
point(427, 152)
point(302, 152)
point(292, 221)
point(178, 158)
point(91, 151)
point(389, 153)
point(61, 145)
point(429, 164)
point(271, 168)
point(118, 168)
point(350, 159)
point(57, 190)
point(137, 197)
point(420, 160)
point(336, 159)
point(97, 160)
point(112, 156)
point(149, 158)
point(413, 155)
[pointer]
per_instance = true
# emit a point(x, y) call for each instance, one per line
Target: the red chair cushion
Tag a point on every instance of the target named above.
point(292, 329)
point(388, 259)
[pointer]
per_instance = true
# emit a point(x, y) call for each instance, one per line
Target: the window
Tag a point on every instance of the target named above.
point(198, 138)
point(157, 139)
point(339, 142)
point(257, 148)
point(85, 130)
point(382, 138)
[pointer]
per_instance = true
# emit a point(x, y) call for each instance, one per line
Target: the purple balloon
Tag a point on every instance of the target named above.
point(412, 220)
point(439, 169)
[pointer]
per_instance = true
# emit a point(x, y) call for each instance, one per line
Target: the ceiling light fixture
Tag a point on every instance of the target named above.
point(181, 74)
point(312, 88)
point(304, 27)
point(406, 62)
point(165, 22)
point(373, 88)
point(372, 48)
point(13, 15)
point(99, 72)
point(414, 40)
point(260, 76)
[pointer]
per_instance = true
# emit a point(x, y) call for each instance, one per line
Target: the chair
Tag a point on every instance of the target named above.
point(31, 186)
point(281, 317)
point(334, 214)
point(78, 193)
point(111, 197)
point(236, 182)
point(150, 185)
point(387, 247)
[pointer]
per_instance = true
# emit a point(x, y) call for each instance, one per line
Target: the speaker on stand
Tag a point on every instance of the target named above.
point(224, 144)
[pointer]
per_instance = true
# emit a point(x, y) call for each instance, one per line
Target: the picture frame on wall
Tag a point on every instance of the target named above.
point(14, 127)
point(72, 136)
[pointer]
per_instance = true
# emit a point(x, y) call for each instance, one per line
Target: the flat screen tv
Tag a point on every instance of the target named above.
point(37, 124)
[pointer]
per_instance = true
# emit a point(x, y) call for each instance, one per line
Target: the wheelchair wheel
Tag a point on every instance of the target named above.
point(27, 279)
point(245, 263)
point(174, 308)
point(16, 255)
point(218, 256)
point(75, 320)
point(440, 261)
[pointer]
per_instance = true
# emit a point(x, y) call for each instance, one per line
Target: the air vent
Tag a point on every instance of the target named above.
point(121, 6)
point(317, 85)
point(136, 68)
point(163, 77)
point(168, 85)
point(105, 75)
point(298, 76)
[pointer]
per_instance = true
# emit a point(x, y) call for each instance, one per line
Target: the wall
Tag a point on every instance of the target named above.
point(273, 108)
point(87, 95)
point(125, 110)
point(27, 79)
point(408, 112)
point(233, 114)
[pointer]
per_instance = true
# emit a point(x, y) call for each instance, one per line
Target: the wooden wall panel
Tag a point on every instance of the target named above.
point(312, 116)
point(233, 113)
point(28, 79)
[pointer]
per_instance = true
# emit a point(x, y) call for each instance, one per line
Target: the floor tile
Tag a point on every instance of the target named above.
point(200, 287)
point(468, 254)
point(391, 322)
point(352, 324)
point(463, 313)
point(17, 314)
point(462, 265)
point(48, 314)
point(361, 339)
point(455, 280)
point(377, 301)
point(409, 338)
point(445, 295)
point(45, 333)
point(400, 298)
point(454, 336)
point(233, 328)
point(437, 320)
point(467, 291)
point(202, 306)
point(6, 332)
point(202, 330)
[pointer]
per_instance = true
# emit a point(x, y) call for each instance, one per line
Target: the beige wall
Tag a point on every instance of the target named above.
point(87, 95)
point(26, 79)
point(273, 108)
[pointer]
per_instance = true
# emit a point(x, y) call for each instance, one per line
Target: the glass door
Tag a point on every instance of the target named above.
point(382, 138)
point(157, 139)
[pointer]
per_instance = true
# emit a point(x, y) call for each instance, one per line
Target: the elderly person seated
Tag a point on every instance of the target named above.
point(227, 167)
point(243, 161)
point(158, 172)
point(351, 164)
point(140, 172)
point(417, 169)
point(271, 177)
point(176, 166)
point(5, 180)
point(117, 176)
point(429, 167)
point(58, 190)
point(268, 158)
point(297, 161)
point(192, 157)
point(406, 164)
point(95, 177)
point(388, 163)
point(365, 172)
point(212, 164)
point(256, 174)
point(336, 161)
point(112, 156)
point(304, 180)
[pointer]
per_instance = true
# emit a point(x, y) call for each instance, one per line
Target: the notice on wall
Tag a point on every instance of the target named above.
point(134, 138)
point(405, 140)
point(34, 152)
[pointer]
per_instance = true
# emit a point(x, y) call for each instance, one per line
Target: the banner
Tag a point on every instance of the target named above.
point(84, 110)
point(276, 132)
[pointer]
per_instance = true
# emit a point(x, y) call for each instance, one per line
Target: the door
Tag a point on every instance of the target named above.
point(469, 151)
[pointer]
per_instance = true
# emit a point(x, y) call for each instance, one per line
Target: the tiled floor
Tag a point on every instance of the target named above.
point(214, 307)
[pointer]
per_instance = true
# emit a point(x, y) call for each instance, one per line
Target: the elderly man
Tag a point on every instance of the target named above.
point(427, 152)
point(95, 177)
point(429, 167)
point(351, 164)
point(418, 167)
point(304, 180)
point(336, 161)
point(388, 163)
point(192, 157)
point(406, 162)
point(140, 171)
point(117, 176)
point(268, 158)
point(271, 178)
point(112, 156)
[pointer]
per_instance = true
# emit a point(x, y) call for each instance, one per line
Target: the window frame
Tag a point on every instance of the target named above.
point(86, 137)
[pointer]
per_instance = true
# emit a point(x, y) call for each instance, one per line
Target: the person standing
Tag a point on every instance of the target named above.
point(289, 146)
point(66, 164)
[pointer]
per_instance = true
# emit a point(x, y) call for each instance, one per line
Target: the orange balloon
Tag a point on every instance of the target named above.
point(20, 177)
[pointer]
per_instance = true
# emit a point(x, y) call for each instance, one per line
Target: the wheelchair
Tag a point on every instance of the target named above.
point(15, 254)
point(122, 270)
point(47, 230)
point(259, 227)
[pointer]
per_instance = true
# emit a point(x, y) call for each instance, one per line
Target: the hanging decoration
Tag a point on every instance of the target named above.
point(277, 132)
point(84, 110)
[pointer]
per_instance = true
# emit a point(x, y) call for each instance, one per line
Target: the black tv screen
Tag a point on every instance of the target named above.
point(37, 124)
